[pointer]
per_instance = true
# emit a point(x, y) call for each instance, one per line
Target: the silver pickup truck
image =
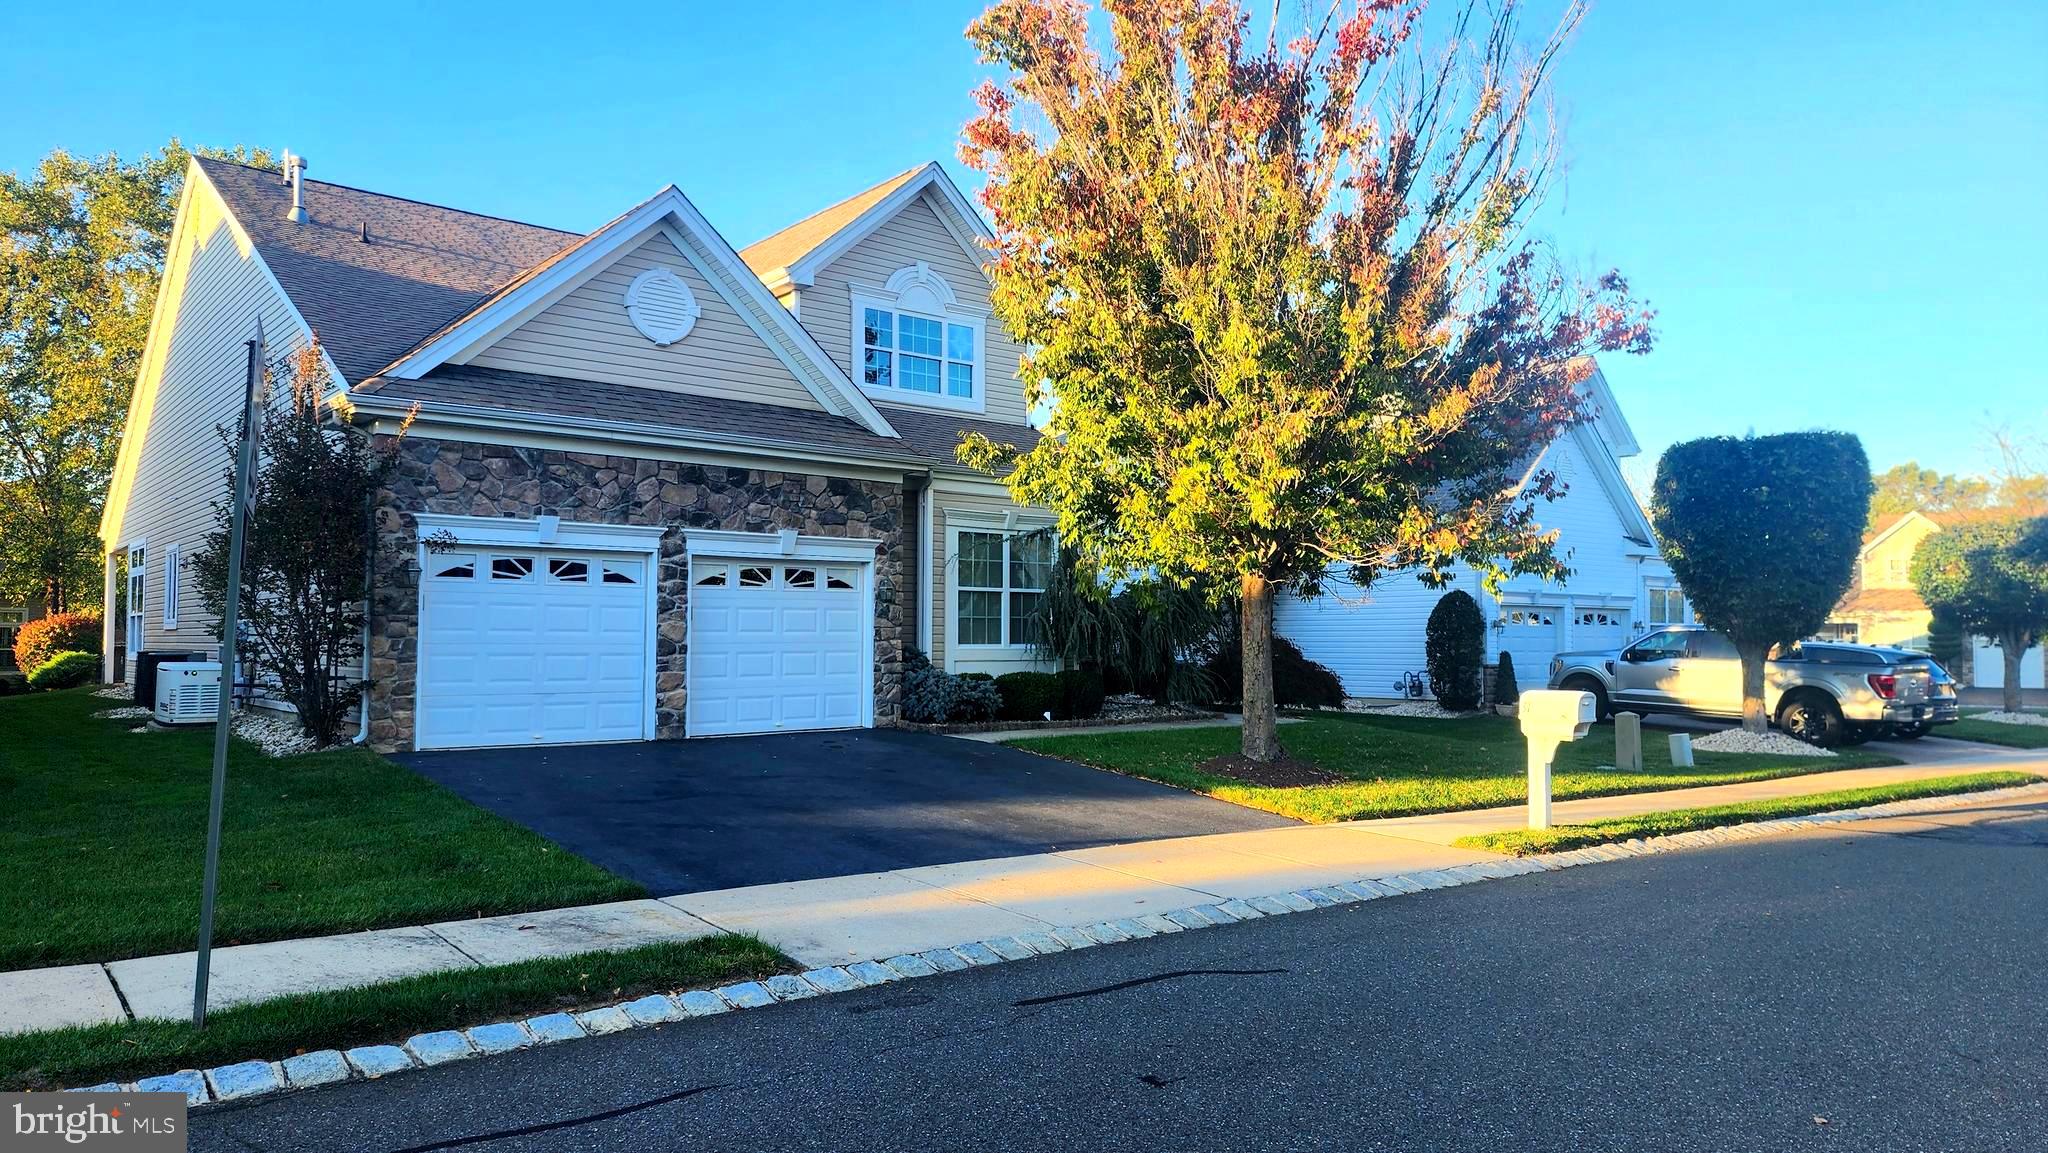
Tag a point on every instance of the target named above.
point(1824, 693)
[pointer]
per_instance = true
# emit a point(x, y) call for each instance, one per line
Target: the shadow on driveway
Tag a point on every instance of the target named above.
point(686, 816)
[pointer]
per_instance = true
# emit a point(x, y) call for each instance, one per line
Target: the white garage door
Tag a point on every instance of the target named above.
point(778, 645)
point(1529, 634)
point(526, 647)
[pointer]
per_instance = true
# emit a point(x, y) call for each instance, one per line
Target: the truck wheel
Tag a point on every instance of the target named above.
point(1601, 708)
point(1813, 718)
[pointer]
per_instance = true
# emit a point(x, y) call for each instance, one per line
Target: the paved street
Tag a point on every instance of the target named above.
point(1864, 988)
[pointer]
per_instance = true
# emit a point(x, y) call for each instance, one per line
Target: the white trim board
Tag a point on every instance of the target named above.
point(955, 211)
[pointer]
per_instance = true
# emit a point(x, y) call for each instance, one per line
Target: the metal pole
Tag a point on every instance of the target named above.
point(231, 620)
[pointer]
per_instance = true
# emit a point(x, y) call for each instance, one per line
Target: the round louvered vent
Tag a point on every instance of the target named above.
point(661, 306)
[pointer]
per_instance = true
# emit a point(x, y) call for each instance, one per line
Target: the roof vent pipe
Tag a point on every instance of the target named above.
point(295, 168)
point(284, 167)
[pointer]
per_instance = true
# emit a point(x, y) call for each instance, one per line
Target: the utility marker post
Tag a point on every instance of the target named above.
point(1550, 717)
point(245, 461)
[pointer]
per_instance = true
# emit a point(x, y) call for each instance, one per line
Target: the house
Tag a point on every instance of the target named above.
point(1620, 586)
point(655, 486)
point(1882, 607)
point(12, 617)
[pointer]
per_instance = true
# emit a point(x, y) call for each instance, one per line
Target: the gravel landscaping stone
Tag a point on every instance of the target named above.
point(2000, 716)
point(1744, 741)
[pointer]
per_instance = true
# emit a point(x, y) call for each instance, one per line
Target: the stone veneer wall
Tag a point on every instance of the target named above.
point(497, 480)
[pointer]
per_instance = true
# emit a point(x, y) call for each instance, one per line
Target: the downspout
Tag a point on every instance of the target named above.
point(369, 611)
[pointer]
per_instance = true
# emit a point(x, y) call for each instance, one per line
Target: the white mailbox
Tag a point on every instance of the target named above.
point(1550, 717)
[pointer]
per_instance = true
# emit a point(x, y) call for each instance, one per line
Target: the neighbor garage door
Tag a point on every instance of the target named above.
point(526, 647)
point(777, 646)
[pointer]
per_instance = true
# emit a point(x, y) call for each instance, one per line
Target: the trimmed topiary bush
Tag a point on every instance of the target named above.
point(1030, 696)
point(65, 671)
point(1505, 690)
point(37, 641)
point(1454, 646)
point(1081, 694)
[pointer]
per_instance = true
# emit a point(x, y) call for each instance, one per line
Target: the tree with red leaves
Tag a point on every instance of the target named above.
point(1279, 295)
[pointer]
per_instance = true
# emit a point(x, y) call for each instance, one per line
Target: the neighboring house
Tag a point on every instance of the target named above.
point(1882, 607)
point(12, 617)
point(674, 489)
point(1620, 586)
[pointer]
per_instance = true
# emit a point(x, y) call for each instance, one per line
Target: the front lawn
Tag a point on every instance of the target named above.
point(1396, 766)
point(1563, 838)
point(1995, 733)
point(103, 835)
point(378, 1014)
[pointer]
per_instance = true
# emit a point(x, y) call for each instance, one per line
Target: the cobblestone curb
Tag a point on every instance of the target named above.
point(245, 1080)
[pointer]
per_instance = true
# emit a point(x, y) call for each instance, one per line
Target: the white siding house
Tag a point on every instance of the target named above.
point(1619, 587)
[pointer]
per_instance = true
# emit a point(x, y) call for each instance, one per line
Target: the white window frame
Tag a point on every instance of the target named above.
point(917, 290)
point(1008, 530)
point(1653, 608)
point(171, 587)
point(138, 588)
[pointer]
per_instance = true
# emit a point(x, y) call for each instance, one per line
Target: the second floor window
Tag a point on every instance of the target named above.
point(913, 353)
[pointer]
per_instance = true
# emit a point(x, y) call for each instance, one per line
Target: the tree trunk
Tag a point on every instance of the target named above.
point(1754, 718)
point(2013, 648)
point(1261, 723)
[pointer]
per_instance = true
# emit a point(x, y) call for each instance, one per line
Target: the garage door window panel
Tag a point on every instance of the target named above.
point(569, 571)
point(511, 568)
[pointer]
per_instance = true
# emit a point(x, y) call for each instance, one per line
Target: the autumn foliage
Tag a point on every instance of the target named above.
point(1278, 286)
point(38, 640)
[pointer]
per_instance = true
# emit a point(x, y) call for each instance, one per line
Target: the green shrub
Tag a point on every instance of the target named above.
point(1029, 696)
point(1081, 694)
point(1454, 647)
point(36, 642)
point(65, 671)
point(1505, 690)
point(1298, 682)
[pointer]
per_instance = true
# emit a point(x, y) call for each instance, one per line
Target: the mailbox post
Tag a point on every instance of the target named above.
point(1549, 718)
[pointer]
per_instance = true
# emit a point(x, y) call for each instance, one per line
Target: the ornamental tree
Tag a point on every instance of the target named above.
point(1763, 533)
point(305, 548)
point(1987, 576)
point(1278, 288)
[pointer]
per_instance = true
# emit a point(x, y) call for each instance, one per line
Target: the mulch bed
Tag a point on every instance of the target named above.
point(1286, 773)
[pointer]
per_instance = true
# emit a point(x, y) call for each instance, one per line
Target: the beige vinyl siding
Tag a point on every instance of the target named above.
point(215, 289)
point(913, 234)
point(966, 504)
point(586, 335)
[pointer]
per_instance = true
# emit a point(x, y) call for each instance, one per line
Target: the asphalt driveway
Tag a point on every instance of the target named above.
point(686, 816)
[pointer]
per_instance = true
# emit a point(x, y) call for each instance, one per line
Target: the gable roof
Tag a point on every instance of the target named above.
point(795, 255)
point(798, 240)
point(562, 272)
point(423, 267)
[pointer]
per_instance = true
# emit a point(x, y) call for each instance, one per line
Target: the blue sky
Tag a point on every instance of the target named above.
point(1836, 207)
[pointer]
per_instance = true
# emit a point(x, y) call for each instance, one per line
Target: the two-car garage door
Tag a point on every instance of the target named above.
point(539, 646)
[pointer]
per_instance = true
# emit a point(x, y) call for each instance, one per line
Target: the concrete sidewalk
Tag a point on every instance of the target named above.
point(840, 920)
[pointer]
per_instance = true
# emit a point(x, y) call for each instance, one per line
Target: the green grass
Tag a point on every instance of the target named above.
point(103, 835)
point(1403, 765)
point(1995, 733)
point(1527, 842)
point(375, 1014)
